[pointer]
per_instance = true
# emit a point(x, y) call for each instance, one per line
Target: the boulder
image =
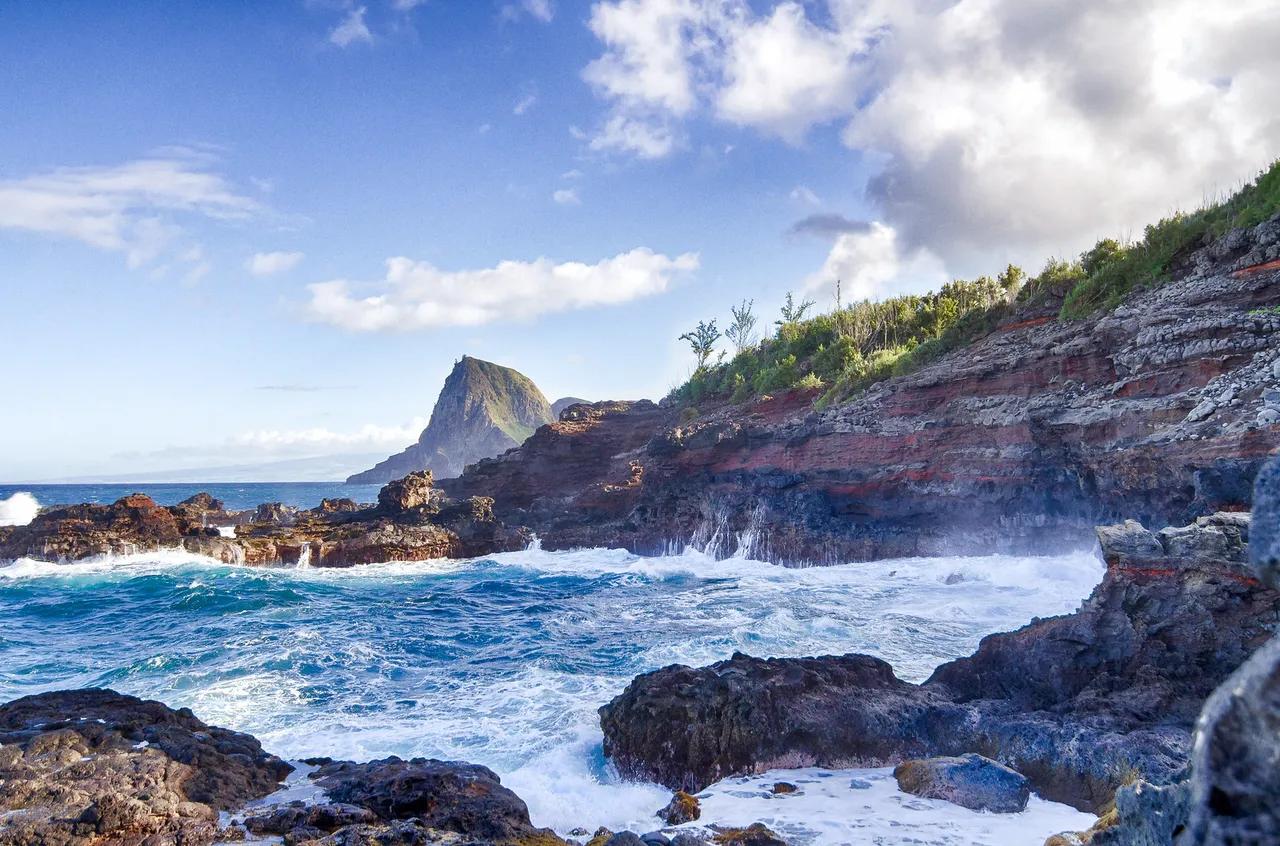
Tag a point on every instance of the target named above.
point(1074, 702)
point(969, 780)
point(756, 834)
point(202, 501)
point(409, 495)
point(95, 766)
point(681, 809)
point(464, 798)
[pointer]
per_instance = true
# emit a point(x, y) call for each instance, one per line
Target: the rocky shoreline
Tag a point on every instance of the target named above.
point(412, 521)
point(1161, 411)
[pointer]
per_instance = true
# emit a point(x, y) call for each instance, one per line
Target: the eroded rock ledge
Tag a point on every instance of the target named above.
point(1076, 703)
point(412, 521)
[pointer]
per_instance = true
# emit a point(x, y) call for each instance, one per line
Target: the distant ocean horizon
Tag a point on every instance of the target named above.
point(238, 496)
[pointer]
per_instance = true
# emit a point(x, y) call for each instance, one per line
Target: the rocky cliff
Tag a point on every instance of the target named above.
point(1161, 410)
point(1075, 703)
point(483, 410)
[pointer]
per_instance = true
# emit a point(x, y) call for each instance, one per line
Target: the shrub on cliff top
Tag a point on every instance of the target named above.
point(857, 345)
point(1112, 270)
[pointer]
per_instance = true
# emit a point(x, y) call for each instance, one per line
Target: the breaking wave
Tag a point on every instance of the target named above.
point(504, 661)
point(19, 509)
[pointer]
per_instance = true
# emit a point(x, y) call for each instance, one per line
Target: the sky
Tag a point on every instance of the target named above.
point(242, 232)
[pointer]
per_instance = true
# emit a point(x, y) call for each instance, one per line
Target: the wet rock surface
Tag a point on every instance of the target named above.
point(1160, 411)
point(970, 781)
point(93, 766)
point(462, 798)
point(413, 521)
point(1071, 702)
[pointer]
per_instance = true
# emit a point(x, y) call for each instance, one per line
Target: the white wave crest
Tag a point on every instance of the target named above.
point(19, 509)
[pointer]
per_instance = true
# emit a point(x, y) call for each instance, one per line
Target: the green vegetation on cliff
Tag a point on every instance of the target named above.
point(853, 346)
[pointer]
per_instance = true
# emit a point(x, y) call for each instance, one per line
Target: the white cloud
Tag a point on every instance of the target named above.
point(526, 102)
point(567, 197)
point(352, 29)
point(131, 208)
point(623, 134)
point(543, 10)
point(1006, 128)
point(870, 265)
point(407, 5)
point(802, 194)
point(416, 295)
point(571, 174)
point(281, 444)
point(265, 264)
point(320, 440)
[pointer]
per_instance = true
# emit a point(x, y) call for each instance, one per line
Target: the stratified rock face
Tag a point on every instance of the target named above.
point(411, 522)
point(93, 766)
point(1071, 702)
point(593, 450)
point(484, 410)
point(969, 780)
point(1161, 411)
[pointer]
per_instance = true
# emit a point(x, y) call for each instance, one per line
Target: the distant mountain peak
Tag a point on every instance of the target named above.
point(483, 410)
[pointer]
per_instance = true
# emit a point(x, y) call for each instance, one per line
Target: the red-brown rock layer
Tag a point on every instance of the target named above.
point(1161, 411)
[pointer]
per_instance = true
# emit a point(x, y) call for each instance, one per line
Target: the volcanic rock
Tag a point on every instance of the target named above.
point(969, 780)
point(483, 410)
point(681, 809)
point(1071, 702)
point(1020, 442)
point(93, 766)
point(412, 522)
point(464, 798)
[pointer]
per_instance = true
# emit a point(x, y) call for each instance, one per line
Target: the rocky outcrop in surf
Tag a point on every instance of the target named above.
point(412, 521)
point(483, 410)
point(95, 767)
point(1075, 703)
point(1160, 411)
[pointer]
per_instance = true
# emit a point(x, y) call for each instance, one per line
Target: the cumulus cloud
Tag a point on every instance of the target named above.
point(265, 264)
point(353, 29)
point(1009, 128)
point(567, 197)
point(871, 264)
point(828, 225)
point(415, 295)
point(132, 208)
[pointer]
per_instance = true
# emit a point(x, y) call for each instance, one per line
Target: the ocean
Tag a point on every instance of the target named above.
point(503, 661)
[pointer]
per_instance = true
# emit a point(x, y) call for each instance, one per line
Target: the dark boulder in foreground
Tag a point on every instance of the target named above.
point(1075, 703)
point(969, 780)
point(93, 766)
point(413, 521)
point(462, 798)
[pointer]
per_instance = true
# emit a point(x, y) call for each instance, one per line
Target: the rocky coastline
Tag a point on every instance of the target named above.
point(412, 521)
point(1160, 411)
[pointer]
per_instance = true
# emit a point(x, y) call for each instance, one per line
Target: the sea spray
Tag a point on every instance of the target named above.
point(19, 509)
point(504, 661)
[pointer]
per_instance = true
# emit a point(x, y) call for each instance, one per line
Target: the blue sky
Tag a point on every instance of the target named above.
point(241, 232)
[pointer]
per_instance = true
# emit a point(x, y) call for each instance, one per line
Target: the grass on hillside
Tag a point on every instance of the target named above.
point(855, 346)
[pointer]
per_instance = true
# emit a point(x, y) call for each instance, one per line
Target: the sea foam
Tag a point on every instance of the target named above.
point(504, 661)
